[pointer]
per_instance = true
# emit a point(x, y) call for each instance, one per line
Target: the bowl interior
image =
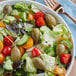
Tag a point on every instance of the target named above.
point(45, 9)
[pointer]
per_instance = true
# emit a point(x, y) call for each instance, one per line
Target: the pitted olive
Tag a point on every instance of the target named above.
point(36, 35)
point(7, 9)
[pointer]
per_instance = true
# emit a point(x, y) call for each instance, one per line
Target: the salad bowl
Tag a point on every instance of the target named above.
point(47, 10)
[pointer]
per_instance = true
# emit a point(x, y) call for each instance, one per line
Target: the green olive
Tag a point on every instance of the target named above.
point(50, 20)
point(60, 49)
point(38, 63)
point(15, 54)
point(36, 35)
point(7, 9)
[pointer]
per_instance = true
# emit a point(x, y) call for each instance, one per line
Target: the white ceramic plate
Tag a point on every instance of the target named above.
point(45, 9)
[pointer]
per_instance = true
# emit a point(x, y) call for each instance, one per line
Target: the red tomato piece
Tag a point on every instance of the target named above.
point(7, 42)
point(2, 58)
point(40, 22)
point(39, 14)
point(7, 51)
point(36, 52)
point(65, 58)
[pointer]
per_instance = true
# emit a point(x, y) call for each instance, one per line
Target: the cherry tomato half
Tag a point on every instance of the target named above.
point(65, 58)
point(7, 42)
point(7, 51)
point(2, 58)
point(36, 52)
point(40, 22)
point(39, 14)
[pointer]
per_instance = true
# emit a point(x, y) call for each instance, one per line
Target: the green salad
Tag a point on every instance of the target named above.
point(32, 43)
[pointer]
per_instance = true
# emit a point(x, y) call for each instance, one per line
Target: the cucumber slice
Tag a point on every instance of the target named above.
point(6, 21)
point(34, 8)
point(23, 16)
point(67, 43)
point(22, 41)
point(9, 19)
point(15, 12)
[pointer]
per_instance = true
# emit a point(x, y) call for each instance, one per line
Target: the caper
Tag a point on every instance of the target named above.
point(36, 35)
point(15, 54)
point(38, 63)
point(50, 20)
point(60, 49)
point(7, 9)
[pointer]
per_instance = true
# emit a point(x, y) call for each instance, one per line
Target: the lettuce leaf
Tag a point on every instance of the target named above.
point(48, 36)
point(50, 51)
point(19, 72)
point(30, 74)
point(8, 64)
point(62, 29)
point(6, 32)
point(41, 47)
point(50, 74)
point(22, 6)
point(60, 63)
point(28, 27)
point(28, 66)
point(42, 74)
point(1, 70)
point(49, 61)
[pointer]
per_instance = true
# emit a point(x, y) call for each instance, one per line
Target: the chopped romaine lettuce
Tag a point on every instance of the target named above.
point(28, 66)
point(41, 47)
point(54, 45)
point(28, 27)
point(15, 12)
point(50, 74)
point(42, 74)
point(63, 30)
point(8, 32)
point(60, 64)
point(1, 70)
point(8, 64)
point(30, 74)
point(49, 61)
point(21, 6)
point(34, 8)
point(48, 36)
point(67, 51)
point(1, 9)
point(1, 16)
point(19, 72)
point(44, 28)
point(24, 57)
point(50, 51)
point(33, 22)
point(67, 43)
point(2, 30)
point(1, 37)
